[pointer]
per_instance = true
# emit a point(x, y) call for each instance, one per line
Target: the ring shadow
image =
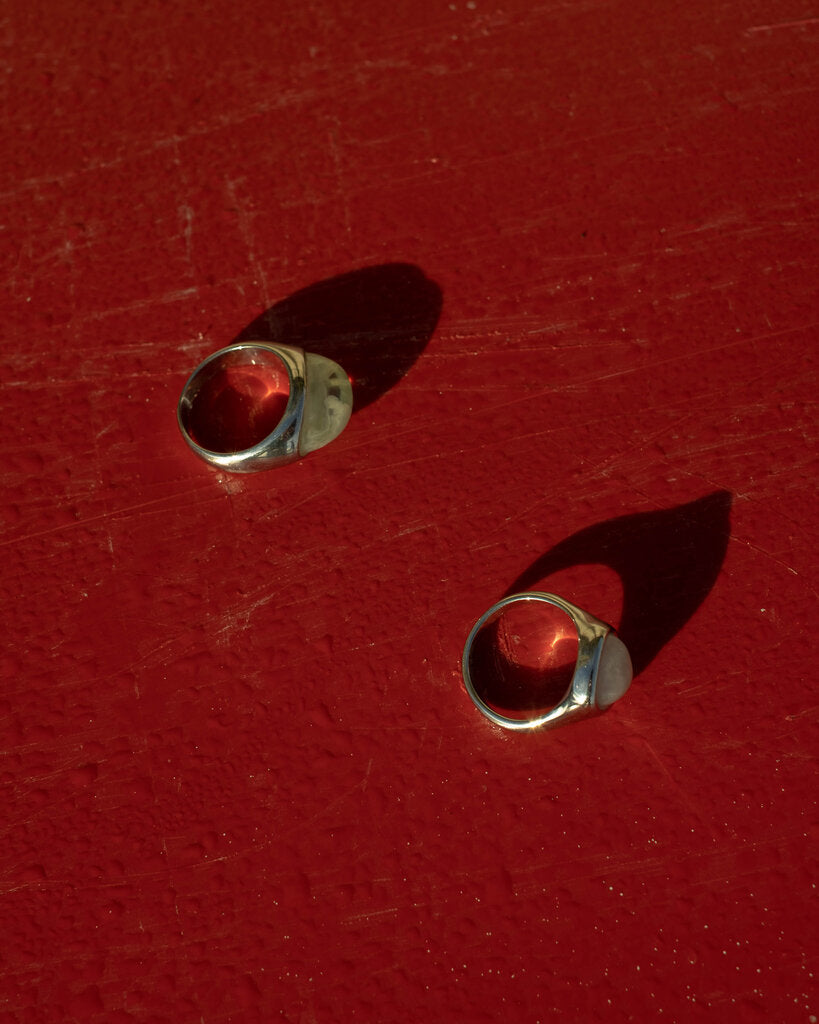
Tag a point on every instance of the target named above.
point(668, 562)
point(374, 322)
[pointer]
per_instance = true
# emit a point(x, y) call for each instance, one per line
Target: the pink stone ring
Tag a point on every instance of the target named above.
point(255, 405)
point(601, 675)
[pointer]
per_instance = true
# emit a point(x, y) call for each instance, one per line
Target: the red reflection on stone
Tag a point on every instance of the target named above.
point(522, 661)
point(237, 406)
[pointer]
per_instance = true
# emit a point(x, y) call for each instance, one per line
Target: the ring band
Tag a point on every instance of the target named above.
point(319, 404)
point(602, 671)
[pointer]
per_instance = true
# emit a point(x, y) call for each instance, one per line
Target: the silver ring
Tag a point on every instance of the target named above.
point(602, 671)
point(234, 392)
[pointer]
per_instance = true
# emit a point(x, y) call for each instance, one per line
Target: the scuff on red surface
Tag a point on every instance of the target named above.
point(242, 779)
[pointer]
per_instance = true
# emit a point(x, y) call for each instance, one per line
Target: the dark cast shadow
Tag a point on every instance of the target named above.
point(668, 562)
point(374, 322)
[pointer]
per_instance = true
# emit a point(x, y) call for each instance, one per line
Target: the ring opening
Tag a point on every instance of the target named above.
point(523, 659)
point(235, 400)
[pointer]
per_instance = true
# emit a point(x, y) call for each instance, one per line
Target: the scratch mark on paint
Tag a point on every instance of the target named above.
point(186, 213)
point(783, 24)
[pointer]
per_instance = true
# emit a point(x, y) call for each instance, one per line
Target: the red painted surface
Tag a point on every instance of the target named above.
point(242, 779)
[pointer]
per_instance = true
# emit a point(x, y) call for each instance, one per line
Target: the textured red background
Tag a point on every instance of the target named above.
point(242, 778)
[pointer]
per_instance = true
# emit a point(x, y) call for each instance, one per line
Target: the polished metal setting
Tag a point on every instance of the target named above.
point(318, 406)
point(581, 698)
